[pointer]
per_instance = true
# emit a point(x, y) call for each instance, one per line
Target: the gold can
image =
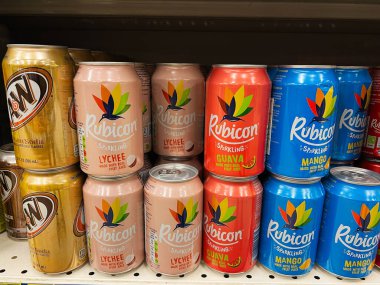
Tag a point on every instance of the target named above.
point(53, 207)
point(80, 54)
point(39, 90)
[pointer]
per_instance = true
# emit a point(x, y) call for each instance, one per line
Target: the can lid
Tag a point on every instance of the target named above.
point(51, 170)
point(33, 46)
point(356, 175)
point(232, 178)
point(105, 63)
point(296, 180)
point(308, 66)
point(351, 67)
point(173, 172)
point(112, 178)
point(240, 65)
point(7, 148)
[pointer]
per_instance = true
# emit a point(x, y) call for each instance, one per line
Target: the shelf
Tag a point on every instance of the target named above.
point(15, 267)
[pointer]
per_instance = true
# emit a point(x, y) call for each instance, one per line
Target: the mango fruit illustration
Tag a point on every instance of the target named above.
point(327, 165)
point(306, 264)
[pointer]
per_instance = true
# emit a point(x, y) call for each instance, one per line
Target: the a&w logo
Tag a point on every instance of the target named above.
point(8, 181)
point(357, 122)
point(79, 226)
point(40, 209)
point(313, 132)
point(28, 90)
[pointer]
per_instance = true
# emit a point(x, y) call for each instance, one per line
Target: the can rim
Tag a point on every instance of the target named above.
point(34, 46)
point(106, 63)
point(176, 63)
point(7, 148)
point(308, 66)
point(240, 65)
point(112, 178)
point(179, 166)
point(296, 180)
point(51, 170)
point(78, 49)
point(351, 67)
point(336, 170)
point(233, 179)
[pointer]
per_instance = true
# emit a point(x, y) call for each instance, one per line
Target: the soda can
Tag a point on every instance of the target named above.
point(114, 223)
point(300, 140)
point(370, 164)
point(146, 108)
point(2, 219)
point(231, 223)
point(291, 216)
point(144, 171)
point(272, 71)
point(193, 161)
point(178, 109)
point(39, 91)
point(237, 106)
point(353, 101)
point(173, 219)
point(108, 105)
point(350, 222)
point(80, 54)
point(10, 175)
point(371, 146)
point(53, 208)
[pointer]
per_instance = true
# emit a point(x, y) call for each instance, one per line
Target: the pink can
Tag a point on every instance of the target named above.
point(173, 219)
point(178, 96)
point(108, 104)
point(114, 223)
point(193, 161)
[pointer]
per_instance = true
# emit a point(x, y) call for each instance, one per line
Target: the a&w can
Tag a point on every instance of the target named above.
point(53, 207)
point(350, 223)
point(173, 219)
point(39, 91)
point(291, 216)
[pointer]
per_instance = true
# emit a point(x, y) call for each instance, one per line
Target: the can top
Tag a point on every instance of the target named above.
point(308, 66)
point(351, 67)
point(296, 180)
point(173, 172)
point(112, 178)
point(177, 63)
point(240, 65)
point(33, 46)
point(233, 179)
point(51, 170)
point(356, 175)
point(105, 63)
point(7, 148)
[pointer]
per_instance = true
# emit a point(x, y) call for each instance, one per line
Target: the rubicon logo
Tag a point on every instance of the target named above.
point(28, 90)
point(364, 98)
point(8, 181)
point(177, 97)
point(40, 209)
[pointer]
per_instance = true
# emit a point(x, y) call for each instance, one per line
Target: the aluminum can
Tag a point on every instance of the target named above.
point(350, 225)
point(272, 71)
point(370, 163)
point(352, 105)
point(108, 105)
point(193, 161)
point(231, 223)
point(371, 146)
point(291, 216)
point(173, 219)
point(10, 175)
point(300, 139)
point(144, 171)
point(178, 109)
point(2, 219)
point(39, 93)
point(237, 105)
point(146, 108)
point(53, 207)
point(80, 54)
point(114, 223)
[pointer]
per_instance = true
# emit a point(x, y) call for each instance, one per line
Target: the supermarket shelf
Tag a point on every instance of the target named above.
point(15, 266)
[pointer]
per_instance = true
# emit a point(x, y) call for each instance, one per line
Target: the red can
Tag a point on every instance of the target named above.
point(231, 223)
point(370, 163)
point(371, 145)
point(237, 104)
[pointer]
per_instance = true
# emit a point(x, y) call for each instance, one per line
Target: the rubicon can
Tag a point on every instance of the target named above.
point(173, 219)
point(370, 163)
point(53, 207)
point(146, 109)
point(178, 95)
point(353, 101)
point(108, 105)
point(291, 216)
point(114, 223)
point(10, 175)
point(371, 145)
point(39, 91)
point(237, 105)
point(300, 140)
point(350, 222)
point(231, 223)
point(193, 161)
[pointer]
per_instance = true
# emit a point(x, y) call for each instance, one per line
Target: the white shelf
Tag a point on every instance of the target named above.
point(15, 267)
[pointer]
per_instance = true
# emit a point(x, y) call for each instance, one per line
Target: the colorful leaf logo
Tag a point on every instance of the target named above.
point(112, 104)
point(221, 213)
point(294, 217)
point(367, 219)
point(185, 214)
point(363, 99)
point(237, 106)
point(323, 107)
point(112, 215)
point(177, 97)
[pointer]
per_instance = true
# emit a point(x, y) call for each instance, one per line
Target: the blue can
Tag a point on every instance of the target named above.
point(302, 122)
point(350, 223)
point(272, 71)
point(290, 221)
point(352, 105)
